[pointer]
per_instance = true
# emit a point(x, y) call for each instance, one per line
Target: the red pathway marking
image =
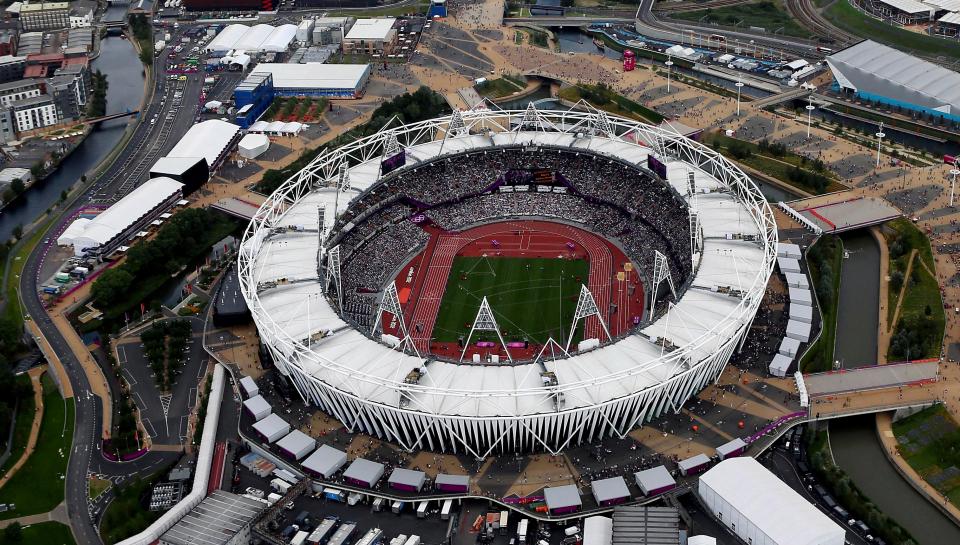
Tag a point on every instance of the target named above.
point(216, 469)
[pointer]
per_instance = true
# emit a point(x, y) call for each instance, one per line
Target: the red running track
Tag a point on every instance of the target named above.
point(216, 468)
point(427, 274)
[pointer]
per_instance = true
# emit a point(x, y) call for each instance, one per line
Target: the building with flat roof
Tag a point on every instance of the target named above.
point(296, 445)
point(252, 97)
point(881, 74)
point(221, 518)
point(633, 524)
point(562, 499)
point(315, 79)
point(325, 461)
point(371, 37)
point(760, 508)
point(212, 140)
point(363, 472)
point(13, 91)
point(45, 15)
point(252, 39)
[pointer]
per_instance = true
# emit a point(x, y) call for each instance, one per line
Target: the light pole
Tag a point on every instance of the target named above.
point(669, 65)
point(738, 85)
point(953, 183)
point(880, 136)
point(810, 109)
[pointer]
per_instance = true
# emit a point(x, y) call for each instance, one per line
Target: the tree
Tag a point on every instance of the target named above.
point(13, 533)
point(18, 186)
point(18, 232)
point(111, 285)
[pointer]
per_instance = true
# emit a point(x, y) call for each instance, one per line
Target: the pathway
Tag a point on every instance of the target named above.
point(35, 375)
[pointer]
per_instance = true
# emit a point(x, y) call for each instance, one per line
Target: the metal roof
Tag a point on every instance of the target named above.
point(870, 67)
point(693, 461)
point(371, 29)
point(297, 443)
point(613, 488)
point(272, 427)
point(640, 525)
point(654, 479)
point(208, 139)
point(908, 6)
point(952, 18)
point(558, 497)
point(453, 480)
point(364, 470)
point(257, 405)
point(314, 75)
point(767, 503)
point(214, 521)
point(731, 446)
point(174, 166)
point(326, 461)
point(408, 477)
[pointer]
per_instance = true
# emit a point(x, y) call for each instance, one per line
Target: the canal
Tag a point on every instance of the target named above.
point(125, 77)
point(856, 448)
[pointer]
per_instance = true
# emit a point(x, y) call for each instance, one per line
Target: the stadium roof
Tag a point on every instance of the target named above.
point(876, 69)
point(253, 39)
point(215, 521)
point(908, 6)
point(301, 309)
point(768, 503)
point(314, 75)
point(124, 213)
point(371, 29)
point(208, 139)
point(325, 461)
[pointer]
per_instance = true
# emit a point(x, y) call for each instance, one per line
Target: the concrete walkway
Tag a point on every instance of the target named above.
point(58, 514)
point(35, 375)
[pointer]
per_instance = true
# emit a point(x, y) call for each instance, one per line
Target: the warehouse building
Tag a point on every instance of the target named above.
point(252, 97)
point(116, 225)
point(210, 140)
point(252, 40)
point(877, 73)
point(314, 79)
point(45, 15)
point(371, 37)
point(904, 12)
point(221, 518)
point(761, 509)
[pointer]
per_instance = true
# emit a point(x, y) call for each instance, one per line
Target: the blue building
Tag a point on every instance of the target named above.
point(252, 97)
point(438, 8)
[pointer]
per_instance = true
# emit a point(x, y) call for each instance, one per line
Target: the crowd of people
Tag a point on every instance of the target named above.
point(602, 194)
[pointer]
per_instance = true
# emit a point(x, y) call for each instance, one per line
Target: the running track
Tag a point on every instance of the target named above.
point(535, 238)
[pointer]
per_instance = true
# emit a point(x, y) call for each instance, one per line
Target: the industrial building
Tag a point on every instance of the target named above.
point(371, 37)
point(761, 509)
point(221, 518)
point(313, 79)
point(211, 140)
point(45, 15)
point(252, 97)
point(119, 223)
point(881, 74)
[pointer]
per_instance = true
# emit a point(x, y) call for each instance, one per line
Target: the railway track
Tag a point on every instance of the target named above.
point(678, 7)
point(807, 14)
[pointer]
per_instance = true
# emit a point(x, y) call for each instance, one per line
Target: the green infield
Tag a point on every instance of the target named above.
point(532, 299)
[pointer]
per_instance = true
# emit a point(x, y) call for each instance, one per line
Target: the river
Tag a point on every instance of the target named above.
point(119, 61)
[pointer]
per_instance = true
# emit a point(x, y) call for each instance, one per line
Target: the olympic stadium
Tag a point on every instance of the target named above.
point(508, 281)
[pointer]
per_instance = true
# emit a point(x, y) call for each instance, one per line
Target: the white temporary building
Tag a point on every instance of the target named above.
point(798, 330)
point(700, 540)
point(789, 347)
point(249, 386)
point(800, 296)
point(252, 145)
point(210, 139)
point(272, 428)
point(801, 313)
point(258, 407)
point(788, 264)
point(255, 39)
point(314, 78)
point(797, 280)
point(140, 203)
point(780, 365)
point(325, 461)
point(786, 249)
point(763, 510)
point(277, 128)
point(597, 531)
point(297, 444)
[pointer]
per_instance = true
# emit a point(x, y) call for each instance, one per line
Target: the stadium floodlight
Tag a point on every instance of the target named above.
point(485, 321)
point(333, 273)
point(529, 118)
point(600, 125)
point(694, 233)
point(456, 126)
point(661, 272)
point(586, 306)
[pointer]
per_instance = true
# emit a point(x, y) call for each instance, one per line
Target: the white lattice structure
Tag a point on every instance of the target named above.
point(480, 409)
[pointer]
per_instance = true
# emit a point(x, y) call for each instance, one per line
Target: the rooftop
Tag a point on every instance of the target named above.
point(313, 75)
point(215, 521)
point(371, 29)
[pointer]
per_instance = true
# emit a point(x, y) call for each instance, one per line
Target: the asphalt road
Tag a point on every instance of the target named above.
point(149, 142)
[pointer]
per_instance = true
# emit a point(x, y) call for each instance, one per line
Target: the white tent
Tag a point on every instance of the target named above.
point(209, 139)
point(252, 145)
point(212, 105)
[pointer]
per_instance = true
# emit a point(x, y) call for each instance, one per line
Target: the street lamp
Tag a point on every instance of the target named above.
point(738, 85)
point(669, 65)
point(953, 183)
point(810, 109)
point(880, 136)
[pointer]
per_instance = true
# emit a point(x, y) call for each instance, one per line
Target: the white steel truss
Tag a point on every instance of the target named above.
point(485, 321)
point(600, 125)
point(551, 351)
point(391, 145)
point(333, 273)
point(661, 272)
point(489, 415)
point(586, 307)
point(390, 304)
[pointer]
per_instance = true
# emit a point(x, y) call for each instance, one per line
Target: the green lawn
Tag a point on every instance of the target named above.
point(47, 533)
point(496, 88)
point(845, 16)
point(604, 98)
point(21, 428)
point(38, 486)
point(763, 14)
point(930, 442)
point(532, 299)
point(125, 516)
point(825, 259)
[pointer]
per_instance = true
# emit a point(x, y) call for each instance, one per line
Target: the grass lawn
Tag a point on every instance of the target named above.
point(763, 14)
point(125, 516)
point(922, 294)
point(21, 428)
point(97, 486)
point(38, 486)
point(418, 8)
point(532, 299)
point(847, 17)
point(825, 259)
point(496, 88)
point(609, 101)
point(47, 533)
point(930, 442)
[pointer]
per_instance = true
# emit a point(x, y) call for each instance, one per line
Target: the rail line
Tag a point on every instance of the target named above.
point(807, 14)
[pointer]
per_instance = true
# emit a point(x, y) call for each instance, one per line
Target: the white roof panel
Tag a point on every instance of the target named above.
point(208, 139)
point(314, 75)
point(371, 29)
point(127, 211)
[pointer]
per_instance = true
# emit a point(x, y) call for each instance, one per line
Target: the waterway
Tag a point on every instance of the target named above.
point(125, 78)
point(856, 448)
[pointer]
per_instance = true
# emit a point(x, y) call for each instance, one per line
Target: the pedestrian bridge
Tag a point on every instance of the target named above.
point(872, 389)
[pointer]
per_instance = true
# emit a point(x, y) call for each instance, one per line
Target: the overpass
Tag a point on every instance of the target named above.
point(560, 22)
point(871, 389)
point(237, 207)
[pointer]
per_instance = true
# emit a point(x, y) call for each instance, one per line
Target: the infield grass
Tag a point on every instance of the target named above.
point(532, 299)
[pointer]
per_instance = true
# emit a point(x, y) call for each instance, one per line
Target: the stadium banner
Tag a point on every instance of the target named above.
point(657, 167)
point(393, 163)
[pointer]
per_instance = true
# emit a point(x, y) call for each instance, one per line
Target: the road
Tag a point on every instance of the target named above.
point(149, 142)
